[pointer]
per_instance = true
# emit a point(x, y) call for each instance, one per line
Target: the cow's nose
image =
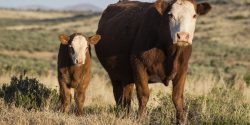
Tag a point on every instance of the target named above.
point(79, 61)
point(183, 36)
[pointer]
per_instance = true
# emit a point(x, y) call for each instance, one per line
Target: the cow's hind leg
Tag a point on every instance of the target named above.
point(141, 82)
point(65, 97)
point(123, 94)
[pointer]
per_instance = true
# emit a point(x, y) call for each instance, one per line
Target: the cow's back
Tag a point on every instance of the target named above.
point(118, 27)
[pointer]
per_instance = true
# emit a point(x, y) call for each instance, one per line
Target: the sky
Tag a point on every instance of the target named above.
point(56, 3)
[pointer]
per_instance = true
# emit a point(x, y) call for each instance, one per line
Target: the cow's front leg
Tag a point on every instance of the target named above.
point(177, 97)
point(141, 82)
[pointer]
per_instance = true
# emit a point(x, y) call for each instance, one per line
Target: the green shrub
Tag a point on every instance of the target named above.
point(247, 79)
point(28, 93)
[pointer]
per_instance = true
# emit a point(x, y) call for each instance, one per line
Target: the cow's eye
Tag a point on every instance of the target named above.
point(71, 49)
point(171, 15)
point(195, 16)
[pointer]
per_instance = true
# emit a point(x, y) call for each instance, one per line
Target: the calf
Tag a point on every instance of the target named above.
point(74, 68)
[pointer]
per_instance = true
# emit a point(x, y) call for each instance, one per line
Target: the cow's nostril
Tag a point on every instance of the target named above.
point(178, 35)
point(182, 36)
point(79, 61)
point(187, 36)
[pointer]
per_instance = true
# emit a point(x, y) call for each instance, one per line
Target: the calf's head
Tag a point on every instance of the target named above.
point(78, 45)
point(181, 17)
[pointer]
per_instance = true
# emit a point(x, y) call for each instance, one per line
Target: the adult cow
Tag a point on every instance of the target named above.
point(146, 43)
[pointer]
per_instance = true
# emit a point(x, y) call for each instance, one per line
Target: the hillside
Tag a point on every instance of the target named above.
point(83, 7)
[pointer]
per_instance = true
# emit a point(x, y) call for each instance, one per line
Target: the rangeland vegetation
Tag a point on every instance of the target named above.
point(216, 92)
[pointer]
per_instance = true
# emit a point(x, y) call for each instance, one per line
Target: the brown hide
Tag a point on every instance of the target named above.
point(72, 76)
point(119, 25)
point(136, 47)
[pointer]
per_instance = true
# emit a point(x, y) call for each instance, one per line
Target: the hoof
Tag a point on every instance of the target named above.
point(183, 119)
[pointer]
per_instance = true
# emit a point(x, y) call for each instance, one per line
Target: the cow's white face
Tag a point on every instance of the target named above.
point(182, 22)
point(78, 49)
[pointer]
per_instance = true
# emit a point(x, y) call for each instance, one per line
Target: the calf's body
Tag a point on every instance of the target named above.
point(73, 74)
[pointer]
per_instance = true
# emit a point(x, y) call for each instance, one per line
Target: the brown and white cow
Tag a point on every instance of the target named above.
point(146, 43)
point(74, 68)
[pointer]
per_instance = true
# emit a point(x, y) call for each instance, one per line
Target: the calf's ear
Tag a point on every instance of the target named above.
point(160, 6)
point(94, 39)
point(64, 39)
point(203, 8)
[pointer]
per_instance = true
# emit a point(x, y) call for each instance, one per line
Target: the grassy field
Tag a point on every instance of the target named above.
point(217, 89)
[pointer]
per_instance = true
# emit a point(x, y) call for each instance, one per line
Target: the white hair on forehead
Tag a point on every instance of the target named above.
point(79, 40)
point(80, 44)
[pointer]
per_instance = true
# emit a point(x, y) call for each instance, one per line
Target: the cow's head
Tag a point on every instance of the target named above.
point(78, 45)
point(182, 16)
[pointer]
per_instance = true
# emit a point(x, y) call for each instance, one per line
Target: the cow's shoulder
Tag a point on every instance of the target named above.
point(147, 35)
point(125, 8)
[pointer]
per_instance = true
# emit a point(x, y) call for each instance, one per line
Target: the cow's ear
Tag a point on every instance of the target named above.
point(160, 6)
point(203, 8)
point(94, 39)
point(64, 39)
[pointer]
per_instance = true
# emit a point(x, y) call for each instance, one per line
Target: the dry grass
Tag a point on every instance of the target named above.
point(12, 14)
point(99, 105)
point(84, 26)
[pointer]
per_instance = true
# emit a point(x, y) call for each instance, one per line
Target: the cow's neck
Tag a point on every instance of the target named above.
point(177, 59)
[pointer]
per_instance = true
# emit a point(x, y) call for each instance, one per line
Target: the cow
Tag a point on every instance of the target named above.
point(74, 68)
point(148, 43)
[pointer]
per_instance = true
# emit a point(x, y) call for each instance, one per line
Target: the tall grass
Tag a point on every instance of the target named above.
point(220, 104)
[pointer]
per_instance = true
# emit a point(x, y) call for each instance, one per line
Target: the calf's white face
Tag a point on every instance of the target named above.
point(182, 22)
point(78, 48)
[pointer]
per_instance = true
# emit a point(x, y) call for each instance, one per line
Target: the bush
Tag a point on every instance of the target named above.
point(247, 79)
point(28, 93)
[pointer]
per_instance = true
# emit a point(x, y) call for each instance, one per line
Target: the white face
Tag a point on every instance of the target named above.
point(182, 22)
point(79, 47)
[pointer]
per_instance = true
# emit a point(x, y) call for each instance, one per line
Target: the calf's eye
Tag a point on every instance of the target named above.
point(195, 16)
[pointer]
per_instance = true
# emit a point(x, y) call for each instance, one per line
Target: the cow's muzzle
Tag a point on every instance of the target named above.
point(182, 39)
point(183, 43)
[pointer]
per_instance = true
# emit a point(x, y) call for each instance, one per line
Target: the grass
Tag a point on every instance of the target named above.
point(18, 65)
point(29, 40)
point(217, 106)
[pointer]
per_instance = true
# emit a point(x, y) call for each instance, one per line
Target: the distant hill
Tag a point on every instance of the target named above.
point(77, 8)
point(83, 7)
point(34, 7)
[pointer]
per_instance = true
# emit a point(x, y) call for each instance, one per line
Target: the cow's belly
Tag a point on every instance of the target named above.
point(117, 66)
